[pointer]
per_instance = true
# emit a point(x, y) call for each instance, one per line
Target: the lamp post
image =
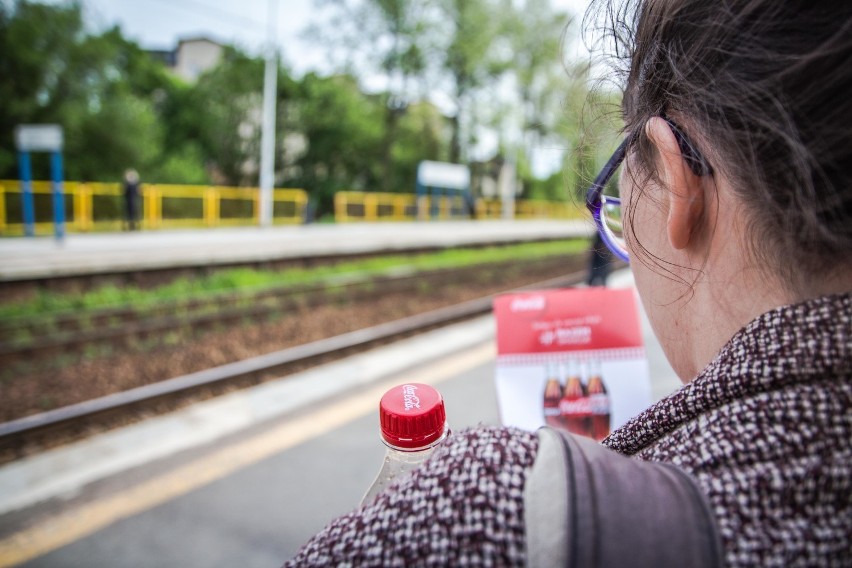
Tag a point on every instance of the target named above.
point(267, 140)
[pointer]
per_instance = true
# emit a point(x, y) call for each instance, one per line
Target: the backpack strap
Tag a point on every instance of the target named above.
point(585, 505)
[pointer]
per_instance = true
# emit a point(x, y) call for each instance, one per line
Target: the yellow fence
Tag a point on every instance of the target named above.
point(361, 206)
point(100, 206)
point(535, 209)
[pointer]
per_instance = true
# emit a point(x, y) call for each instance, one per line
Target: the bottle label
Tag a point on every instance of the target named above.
point(577, 406)
point(599, 404)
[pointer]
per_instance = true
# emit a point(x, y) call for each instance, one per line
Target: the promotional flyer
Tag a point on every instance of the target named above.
point(571, 359)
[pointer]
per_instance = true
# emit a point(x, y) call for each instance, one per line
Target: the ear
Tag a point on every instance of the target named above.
point(684, 190)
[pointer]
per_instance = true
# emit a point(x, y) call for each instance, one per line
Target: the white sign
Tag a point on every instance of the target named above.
point(38, 138)
point(443, 175)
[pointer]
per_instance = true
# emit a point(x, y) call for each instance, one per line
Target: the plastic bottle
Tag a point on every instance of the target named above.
point(413, 422)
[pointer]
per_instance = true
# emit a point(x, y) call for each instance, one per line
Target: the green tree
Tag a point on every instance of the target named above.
point(389, 37)
point(537, 32)
point(99, 88)
point(221, 115)
point(342, 129)
point(423, 135)
point(472, 60)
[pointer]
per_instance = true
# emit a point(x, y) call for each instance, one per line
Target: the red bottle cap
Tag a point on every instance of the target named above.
point(412, 416)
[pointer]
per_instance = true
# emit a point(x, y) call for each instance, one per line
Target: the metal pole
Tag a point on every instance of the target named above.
point(58, 196)
point(267, 142)
point(506, 187)
point(27, 192)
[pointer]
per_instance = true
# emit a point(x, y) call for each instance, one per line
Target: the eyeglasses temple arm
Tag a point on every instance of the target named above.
point(597, 187)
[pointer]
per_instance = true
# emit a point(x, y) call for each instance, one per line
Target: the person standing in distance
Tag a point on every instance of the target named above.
point(130, 190)
point(600, 262)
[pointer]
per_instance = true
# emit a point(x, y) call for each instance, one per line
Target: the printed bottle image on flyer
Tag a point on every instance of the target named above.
point(598, 403)
point(552, 396)
point(574, 406)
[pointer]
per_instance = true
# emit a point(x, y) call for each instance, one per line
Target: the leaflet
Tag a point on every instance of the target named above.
point(571, 359)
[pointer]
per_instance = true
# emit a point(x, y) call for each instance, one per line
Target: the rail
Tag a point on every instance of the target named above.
point(91, 206)
point(33, 338)
point(12, 432)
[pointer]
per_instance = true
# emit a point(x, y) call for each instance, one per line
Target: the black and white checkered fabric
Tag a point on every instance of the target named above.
point(766, 430)
point(464, 507)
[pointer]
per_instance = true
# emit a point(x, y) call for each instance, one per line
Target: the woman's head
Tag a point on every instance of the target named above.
point(762, 87)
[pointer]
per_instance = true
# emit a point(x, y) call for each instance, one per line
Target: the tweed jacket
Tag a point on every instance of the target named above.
point(765, 431)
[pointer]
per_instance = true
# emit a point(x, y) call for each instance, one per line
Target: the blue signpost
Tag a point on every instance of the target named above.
point(41, 138)
point(27, 193)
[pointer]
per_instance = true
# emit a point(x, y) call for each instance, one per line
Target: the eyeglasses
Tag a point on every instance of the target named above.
point(606, 209)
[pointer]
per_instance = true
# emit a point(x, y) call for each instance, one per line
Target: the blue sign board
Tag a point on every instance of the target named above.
point(41, 138)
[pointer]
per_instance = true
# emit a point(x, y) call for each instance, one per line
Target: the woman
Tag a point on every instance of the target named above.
point(736, 194)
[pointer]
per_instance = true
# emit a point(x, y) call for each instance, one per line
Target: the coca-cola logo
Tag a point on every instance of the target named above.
point(527, 304)
point(577, 406)
point(409, 397)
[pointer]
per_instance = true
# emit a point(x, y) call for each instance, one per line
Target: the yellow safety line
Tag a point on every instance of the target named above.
point(67, 527)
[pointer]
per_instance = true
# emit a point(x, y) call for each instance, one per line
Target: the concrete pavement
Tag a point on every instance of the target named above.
point(261, 514)
point(100, 253)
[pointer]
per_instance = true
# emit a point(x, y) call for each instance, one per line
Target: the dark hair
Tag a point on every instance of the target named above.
point(764, 89)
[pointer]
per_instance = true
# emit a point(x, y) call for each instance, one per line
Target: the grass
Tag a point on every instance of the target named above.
point(47, 304)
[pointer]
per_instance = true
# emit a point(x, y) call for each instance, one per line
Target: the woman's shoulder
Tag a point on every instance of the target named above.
point(463, 505)
point(488, 446)
point(788, 367)
point(765, 432)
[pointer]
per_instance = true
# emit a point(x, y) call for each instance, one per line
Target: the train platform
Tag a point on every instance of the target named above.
point(41, 258)
point(246, 478)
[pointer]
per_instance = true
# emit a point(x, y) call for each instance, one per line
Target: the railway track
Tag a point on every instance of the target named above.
point(25, 435)
point(25, 340)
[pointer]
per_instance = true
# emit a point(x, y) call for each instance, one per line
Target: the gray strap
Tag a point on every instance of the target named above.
point(588, 506)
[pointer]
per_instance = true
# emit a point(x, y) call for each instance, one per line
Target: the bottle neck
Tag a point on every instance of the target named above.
point(429, 446)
